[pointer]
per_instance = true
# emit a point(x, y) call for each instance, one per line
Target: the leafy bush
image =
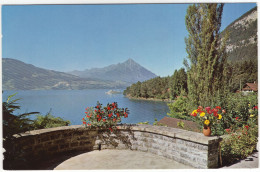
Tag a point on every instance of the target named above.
point(239, 144)
point(104, 117)
point(49, 121)
point(178, 109)
point(239, 108)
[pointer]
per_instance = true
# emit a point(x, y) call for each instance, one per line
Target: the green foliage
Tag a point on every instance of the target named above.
point(241, 73)
point(239, 108)
point(14, 124)
point(238, 145)
point(180, 124)
point(160, 87)
point(104, 117)
point(49, 121)
point(178, 109)
point(206, 69)
point(178, 83)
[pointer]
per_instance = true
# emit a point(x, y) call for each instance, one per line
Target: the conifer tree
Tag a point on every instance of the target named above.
point(206, 60)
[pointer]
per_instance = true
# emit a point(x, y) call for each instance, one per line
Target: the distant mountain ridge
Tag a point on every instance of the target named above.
point(242, 42)
point(17, 75)
point(128, 71)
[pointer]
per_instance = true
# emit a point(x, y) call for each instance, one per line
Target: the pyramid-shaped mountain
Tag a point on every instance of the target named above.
point(128, 71)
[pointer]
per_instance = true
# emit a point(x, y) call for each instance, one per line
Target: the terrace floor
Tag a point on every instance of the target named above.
point(119, 159)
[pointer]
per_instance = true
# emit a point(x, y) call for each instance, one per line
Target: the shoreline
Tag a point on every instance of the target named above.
point(150, 99)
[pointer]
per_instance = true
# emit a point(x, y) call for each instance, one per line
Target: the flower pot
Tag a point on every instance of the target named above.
point(206, 131)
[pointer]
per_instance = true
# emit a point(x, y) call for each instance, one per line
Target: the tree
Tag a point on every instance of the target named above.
point(206, 60)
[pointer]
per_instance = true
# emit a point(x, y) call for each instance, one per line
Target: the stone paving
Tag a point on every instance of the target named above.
point(119, 159)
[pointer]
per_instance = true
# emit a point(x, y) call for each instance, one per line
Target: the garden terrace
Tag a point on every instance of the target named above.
point(186, 147)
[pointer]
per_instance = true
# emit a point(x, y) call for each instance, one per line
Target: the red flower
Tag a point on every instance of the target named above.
point(117, 114)
point(215, 110)
point(215, 114)
point(126, 115)
point(95, 110)
point(110, 115)
point(86, 112)
point(228, 130)
point(108, 108)
point(209, 111)
point(255, 107)
point(104, 120)
point(199, 110)
point(237, 118)
point(114, 120)
point(223, 111)
point(97, 107)
point(89, 124)
point(247, 127)
point(218, 107)
point(238, 137)
point(84, 122)
point(111, 129)
point(207, 108)
point(88, 116)
point(113, 104)
point(83, 119)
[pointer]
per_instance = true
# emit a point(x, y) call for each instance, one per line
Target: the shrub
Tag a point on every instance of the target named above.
point(239, 144)
point(49, 121)
point(178, 109)
point(104, 117)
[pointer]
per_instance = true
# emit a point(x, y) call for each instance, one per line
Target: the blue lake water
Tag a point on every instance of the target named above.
point(71, 104)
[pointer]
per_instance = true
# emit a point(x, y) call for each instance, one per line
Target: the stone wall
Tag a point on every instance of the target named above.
point(183, 146)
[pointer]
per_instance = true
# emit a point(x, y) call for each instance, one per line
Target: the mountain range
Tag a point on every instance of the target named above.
point(17, 75)
point(129, 72)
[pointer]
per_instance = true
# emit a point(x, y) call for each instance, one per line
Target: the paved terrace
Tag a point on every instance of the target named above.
point(62, 147)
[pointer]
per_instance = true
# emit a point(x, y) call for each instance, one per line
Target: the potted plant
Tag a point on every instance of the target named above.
point(208, 117)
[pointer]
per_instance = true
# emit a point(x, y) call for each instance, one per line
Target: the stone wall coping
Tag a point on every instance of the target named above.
point(166, 131)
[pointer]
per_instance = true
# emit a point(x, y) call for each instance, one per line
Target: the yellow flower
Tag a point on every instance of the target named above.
point(202, 114)
point(252, 115)
point(248, 105)
point(219, 116)
point(195, 111)
point(206, 122)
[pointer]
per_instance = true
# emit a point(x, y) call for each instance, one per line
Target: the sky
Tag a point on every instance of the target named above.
point(79, 37)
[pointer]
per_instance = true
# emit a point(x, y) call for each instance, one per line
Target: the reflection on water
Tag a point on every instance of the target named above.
point(71, 104)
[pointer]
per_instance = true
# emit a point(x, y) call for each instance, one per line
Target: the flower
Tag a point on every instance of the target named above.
point(219, 116)
point(104, 120)
point(218, 107)
point(83, 119)
point(247, 127)
point(110, 115)
point(206, 122)
point(228, 130)
point(207, 108)
point(111, 129)
point(108, 108)
point(84, 122)
point(237, 118)
point(194, 113)
point(202, 114)
point(223, 111)
point(252, 115)
point(114, 120)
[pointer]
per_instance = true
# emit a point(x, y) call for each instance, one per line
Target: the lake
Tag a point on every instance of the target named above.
point(71, 104)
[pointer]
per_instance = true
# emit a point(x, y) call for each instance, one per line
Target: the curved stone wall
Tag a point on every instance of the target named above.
point(183, 146)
